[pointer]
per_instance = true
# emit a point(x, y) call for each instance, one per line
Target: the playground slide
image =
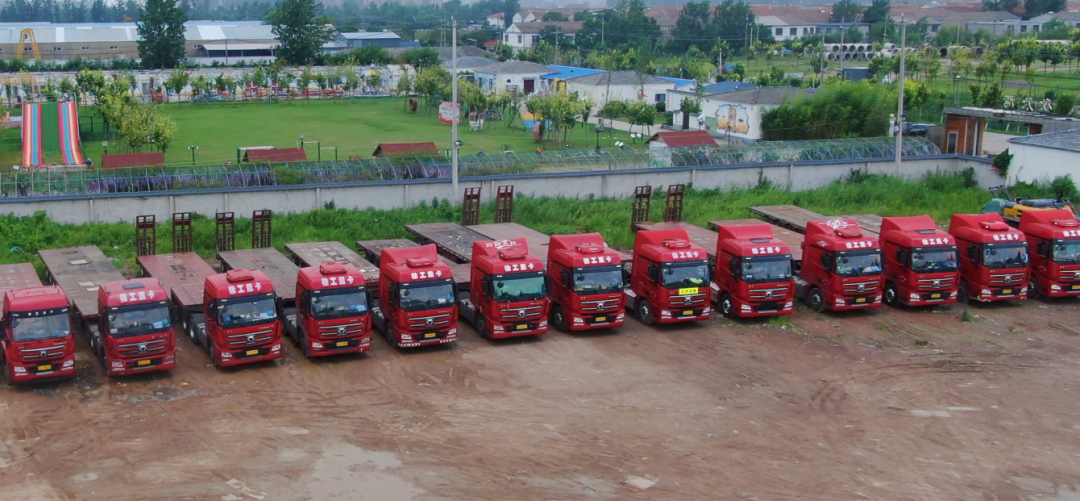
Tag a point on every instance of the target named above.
point(70, 148)
point(31, 135)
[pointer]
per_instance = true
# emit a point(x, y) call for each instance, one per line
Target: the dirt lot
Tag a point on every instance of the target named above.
point(885, 405)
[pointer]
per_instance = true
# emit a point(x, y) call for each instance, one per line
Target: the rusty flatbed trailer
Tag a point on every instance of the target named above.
point(17, 276)
point(373, 248)
point(452, 239)
point(791, 217)
point(183, 275)
point(80, 272)
point(278, 268)
point(792, 239)
point(316, 253)
point(870, 223)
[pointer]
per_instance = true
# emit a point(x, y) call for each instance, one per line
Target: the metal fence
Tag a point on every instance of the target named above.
point(80, 181)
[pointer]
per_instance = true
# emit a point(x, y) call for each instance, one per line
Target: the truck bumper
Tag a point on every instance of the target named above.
point(845, 304)
point(1063, 290)
point(26, 373)
point(578, 323)
point(129, 367)
point(234, 358)
point(684, 315)
point(508, 330)
point(335, 347)
point(916, 299)
point(999, 294)
point(750, 310)
point(415, 342)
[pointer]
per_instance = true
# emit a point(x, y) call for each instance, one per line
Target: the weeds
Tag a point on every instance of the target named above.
point(781, 322)
point(967, 316)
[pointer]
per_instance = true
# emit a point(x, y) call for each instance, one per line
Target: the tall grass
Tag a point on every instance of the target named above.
point(938, 195)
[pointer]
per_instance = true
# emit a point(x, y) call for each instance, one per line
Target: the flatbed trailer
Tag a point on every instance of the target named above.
point(791, 238)
point(870, 223)
point(184, 276)
point(372, 249)
point(17, 276)
point(795, 218)
point(80, 272)
point(701, 237)
point(452, 239)
point(538, 242)
point(278, 268)
point(315, 253)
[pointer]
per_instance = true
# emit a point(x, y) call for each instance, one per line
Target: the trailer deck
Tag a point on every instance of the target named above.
point(17, 276)
point(538, 242)
point(278, 268)
point(792, 239)
point(372, 249)
point(452, 239)
point(80, 272)
point(795, 218)
point(699, 236)
point(316, 253)
point(870, 223)
point(183, 275)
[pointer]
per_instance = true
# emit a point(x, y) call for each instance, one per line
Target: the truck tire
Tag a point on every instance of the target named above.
point(391, 339)
point(213, 355)
point(191, 332)
point(302, 341)
point(557, 318)
point(644, 313)
point(891, 296)
point(1033, 288)
point(727, 306)
point(963, 295)
point(481, 326)
point(816, 300)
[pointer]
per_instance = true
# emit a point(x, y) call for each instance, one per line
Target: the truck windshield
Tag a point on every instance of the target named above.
point(1067, 251)
point(757, 270)
point(429, 296)
point(139, 320)
point(519, 287)
point(255, 311)
point(598, 280)
point(1005, 256)
point(339, 303)
point(36, 328)
point(685, 274)
point(934, 260)
point(860, 264)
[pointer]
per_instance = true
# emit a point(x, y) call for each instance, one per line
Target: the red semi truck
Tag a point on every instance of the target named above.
point(240, 320)
point(841, 267)
point(508, 291)
point(35, 332)
point(921, 266)
point(993, 258)
point(134, 330)
point(1055, 263)
point(669, 281)
point(416, 298)
point(753, 276)
point(331, 316)
point(586, 283)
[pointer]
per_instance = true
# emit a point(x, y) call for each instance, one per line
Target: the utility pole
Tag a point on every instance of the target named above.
point(456, 110)
point(900, 100)
point(556, 41)
point(842, 52)
point(601, 28)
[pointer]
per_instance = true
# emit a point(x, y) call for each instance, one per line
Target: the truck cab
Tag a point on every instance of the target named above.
point(134, 329)
point(508, 294)
point(841, 267)
point(921, 266)
point(993, 258)
point(35, 335)
point(586, 283)
point(240, 323)
point(416, 298)
point(1054, 236)
point(331, 316)
point(753, 276)
point(670, 279)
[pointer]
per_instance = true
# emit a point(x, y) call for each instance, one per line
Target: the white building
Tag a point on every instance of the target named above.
point(736, 115)
point(624, 85)
point(512, 76)
point(527, 35)
point(497, 21)
point(1043, 157)
point(787, 28)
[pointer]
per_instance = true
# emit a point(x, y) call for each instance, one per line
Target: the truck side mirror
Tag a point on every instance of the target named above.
point(733, 265)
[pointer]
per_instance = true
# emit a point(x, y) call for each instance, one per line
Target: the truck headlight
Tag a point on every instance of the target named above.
point(913, 296)
point(543, 324)
point(622, 316)
point(498, 328)
point(20, 370)
point(788, 304)
point(877, 299)
point(317, 346)
point(452, 332)
point(985, 292)
point(276, 347)
point(840, 301)
point(406, 337)
point(117, 365)
point(706, 311)
point(1055, 287)
point(226, 354)
point(69, 363)
point(665, 313)
point(579, 320)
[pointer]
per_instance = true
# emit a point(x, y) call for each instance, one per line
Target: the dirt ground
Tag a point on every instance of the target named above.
point(883, 405)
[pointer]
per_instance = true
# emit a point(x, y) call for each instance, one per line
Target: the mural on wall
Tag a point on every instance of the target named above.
point(732, 118)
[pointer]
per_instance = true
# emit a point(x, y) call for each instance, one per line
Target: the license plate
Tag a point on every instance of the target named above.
point(935, 296)
point(601, 319)
point(252, 352)
point(142, 362)
point(1006, 291)
point(688, 312)
point(522, 327)
point(1076, 287)
point(430, 335)
point(860, 300)
point(688, 290)
point(43, 368)
point(343, 343)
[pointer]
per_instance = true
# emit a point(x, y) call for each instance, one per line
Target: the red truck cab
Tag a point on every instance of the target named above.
point(134, 330)
point(1055, 263)
point(240, 323)
point(921, 266)
point(841, 267)
point(36, 335)
point(670, 279)
point(993, 258)
point(508, 290)
point(417, 305)
point(753, 274)
point(331, 315)
point(586, 283)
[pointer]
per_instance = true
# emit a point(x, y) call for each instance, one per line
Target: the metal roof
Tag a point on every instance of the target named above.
point(516, 68)
point(566, 72)
point(194, 31)
point(239, 46)
point(625, 77)
point(1068, 140)
point(364, 35)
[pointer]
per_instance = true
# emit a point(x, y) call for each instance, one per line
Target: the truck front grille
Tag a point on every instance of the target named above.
point(860, 287)
point(139, 349)
point(429, 321)
point(935, 283)
point(341, 330)
point(47, 352)
point(1006, 278)
point(251, 339)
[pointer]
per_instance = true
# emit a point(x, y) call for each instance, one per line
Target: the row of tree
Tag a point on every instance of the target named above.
point(141, 125)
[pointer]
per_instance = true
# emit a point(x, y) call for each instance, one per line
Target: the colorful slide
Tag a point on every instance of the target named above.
point(70, 148)
point(31, 135)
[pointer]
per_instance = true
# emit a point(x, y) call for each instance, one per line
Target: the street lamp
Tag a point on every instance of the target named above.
point(599, 130)
point(193, 149)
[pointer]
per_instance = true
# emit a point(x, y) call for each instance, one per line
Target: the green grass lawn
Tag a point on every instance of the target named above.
point(354, 126)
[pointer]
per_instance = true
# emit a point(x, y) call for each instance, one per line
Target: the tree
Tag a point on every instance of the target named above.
point(845, 11)
point(1034, 8)
point(691, 28)
point(161, 34)
point(878, 11)
point(630, 27)
point(98, 11)
point(300, 34)
point(1012, 6)
point(176, 82)
point(553, 15)
point(422, 58)
point(843, 109)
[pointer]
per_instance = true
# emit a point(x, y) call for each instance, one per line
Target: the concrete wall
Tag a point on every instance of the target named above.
point(389, 195)
point(1038, 164)
point(599, 93)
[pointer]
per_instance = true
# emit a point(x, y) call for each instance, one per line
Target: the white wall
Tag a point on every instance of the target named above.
point(800, 31)
point(491, 82)
point(1036, 163)
point(599, 93)
point(747, 123)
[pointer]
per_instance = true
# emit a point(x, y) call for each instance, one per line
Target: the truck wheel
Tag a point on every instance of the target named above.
point(962, 294)
point(816, 300)
point(891, 297)
point(644, 313)
point(303, 343)
point(213, 355)
point(191, 332)
point(558, 319)
point(1033, 288)
point(727, 307)
point(481, 327)
point(391, 339)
